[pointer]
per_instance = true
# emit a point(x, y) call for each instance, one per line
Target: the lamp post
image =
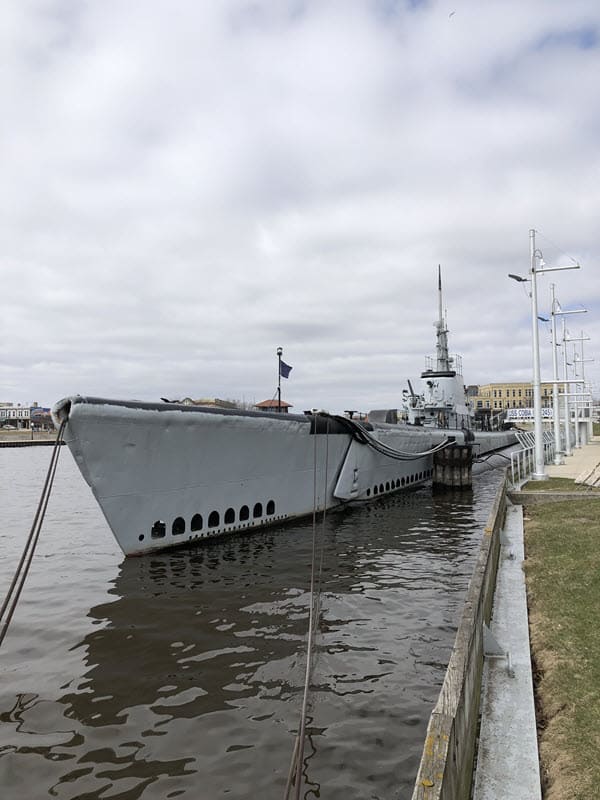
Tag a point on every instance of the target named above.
point(576, 399)
point(558, 457)
point(567, 391)
point(579, 393)
point(539, 474)
point(538, 433)
point(557, 310)
point(566, 363)
point(586, 400)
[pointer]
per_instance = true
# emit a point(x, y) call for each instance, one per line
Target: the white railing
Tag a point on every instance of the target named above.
point(522, 462)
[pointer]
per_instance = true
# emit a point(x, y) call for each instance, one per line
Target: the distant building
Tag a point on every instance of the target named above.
point(41, 418)
point(16, 416)
point(273, 405)
point(498, 396)
point(25, 417)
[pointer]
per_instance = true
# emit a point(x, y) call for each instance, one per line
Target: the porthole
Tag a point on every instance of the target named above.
point(403, 481)
point(270, 508)
point(229, 516)
point(178, 526)
point(387, 486)
point(196, 522)
point(214, 519)
point(159, 529)
point(381, 489)
point(244, 513)
point(375, 490)
point(368, 492)
point(257, 510)
point(141, 537)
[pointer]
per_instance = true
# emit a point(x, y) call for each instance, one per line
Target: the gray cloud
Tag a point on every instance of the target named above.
point(187, 187)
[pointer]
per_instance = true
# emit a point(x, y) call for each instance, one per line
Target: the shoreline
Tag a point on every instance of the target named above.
point(25, 438)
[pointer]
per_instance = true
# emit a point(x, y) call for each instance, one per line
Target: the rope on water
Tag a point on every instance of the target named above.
point(295, 771)
point(360, 434)
point(14, 592)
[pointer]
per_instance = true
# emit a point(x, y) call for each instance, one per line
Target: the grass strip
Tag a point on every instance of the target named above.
point(562, 565)
point(558, 485)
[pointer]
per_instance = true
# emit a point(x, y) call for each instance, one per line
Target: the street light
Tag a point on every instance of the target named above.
point(587, 430)
point(556, 310)
point(539, 474)
point(581, 339)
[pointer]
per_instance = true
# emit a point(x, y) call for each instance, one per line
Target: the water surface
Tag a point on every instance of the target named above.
point(181, 674)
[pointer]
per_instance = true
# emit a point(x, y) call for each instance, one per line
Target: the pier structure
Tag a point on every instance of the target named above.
point(26, 437)
point(452, 467)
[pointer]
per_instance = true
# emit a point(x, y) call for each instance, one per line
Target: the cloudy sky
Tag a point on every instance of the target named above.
point(188, 185)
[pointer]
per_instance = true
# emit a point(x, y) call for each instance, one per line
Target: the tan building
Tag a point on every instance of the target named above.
point(497, 396)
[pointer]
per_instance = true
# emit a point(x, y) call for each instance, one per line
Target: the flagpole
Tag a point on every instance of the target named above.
point(279, 354)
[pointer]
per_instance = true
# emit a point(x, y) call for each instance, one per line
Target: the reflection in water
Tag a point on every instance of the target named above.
point(190, 669)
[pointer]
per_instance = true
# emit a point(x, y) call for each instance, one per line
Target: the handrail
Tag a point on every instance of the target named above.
point(522, 462)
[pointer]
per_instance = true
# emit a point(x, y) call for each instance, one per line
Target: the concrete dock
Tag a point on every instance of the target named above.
point(25, 438)
point(583, 460)
point(507, 762)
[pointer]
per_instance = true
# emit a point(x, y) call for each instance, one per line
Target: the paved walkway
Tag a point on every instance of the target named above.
point(507, 760)
point(583, 459)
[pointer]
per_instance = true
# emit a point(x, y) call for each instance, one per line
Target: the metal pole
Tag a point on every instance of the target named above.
point(539, 474)
point(558, 458)
point(584, 426)
point(576, 398)
point(566, 392)
point(584, 404)
point(279, 354)
point(589, 427)
point(579, 404)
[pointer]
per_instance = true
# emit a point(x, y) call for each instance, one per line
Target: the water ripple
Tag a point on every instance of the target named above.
point(181, 674)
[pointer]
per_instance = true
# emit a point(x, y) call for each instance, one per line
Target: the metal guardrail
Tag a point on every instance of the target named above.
point(522, 462)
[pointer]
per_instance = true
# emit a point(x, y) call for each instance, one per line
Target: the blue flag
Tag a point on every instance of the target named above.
point(284, 369)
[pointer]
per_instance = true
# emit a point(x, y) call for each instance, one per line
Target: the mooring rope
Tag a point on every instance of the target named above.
point(297, 761)
point(14, 592)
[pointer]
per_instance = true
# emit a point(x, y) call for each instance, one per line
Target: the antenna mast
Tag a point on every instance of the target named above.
point(443, 359)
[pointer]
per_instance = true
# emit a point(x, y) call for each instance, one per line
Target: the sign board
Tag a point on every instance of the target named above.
point(526, 414)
